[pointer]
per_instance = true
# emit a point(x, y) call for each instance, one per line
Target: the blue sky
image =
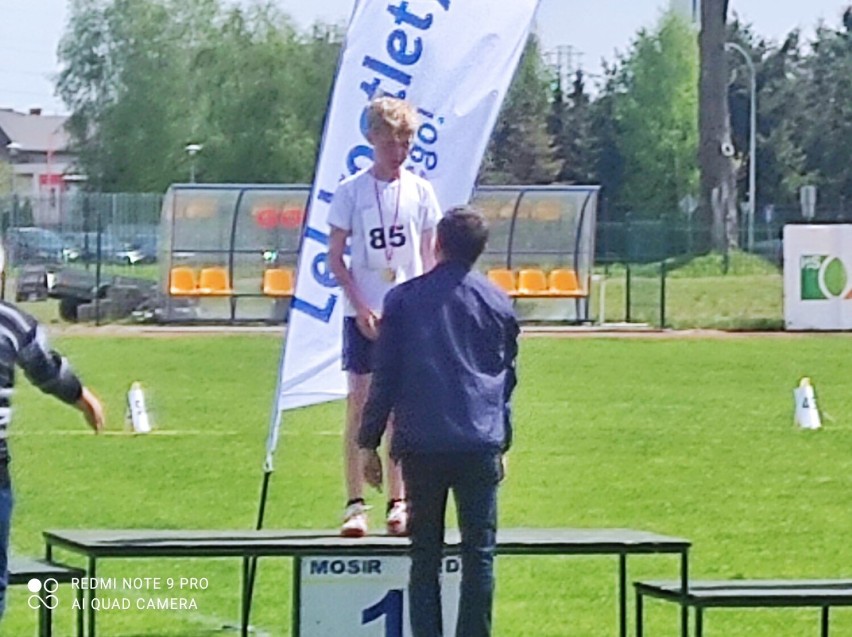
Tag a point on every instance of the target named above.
point(30, 31)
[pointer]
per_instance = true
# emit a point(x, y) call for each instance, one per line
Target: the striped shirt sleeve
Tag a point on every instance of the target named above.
point(23, 341)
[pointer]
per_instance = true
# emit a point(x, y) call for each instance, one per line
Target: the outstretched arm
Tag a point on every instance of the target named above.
point(92, 410)
point(52, 374)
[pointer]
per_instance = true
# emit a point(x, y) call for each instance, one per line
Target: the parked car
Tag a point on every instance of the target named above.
point(113, 250)
point(37, 245)
point(124, 252)
point(146, 247)
point(76, 241)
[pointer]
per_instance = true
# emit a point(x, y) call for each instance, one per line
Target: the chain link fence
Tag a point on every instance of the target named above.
point(90, 238)
point(658, 272)
point(69, 228)
point(662, 272)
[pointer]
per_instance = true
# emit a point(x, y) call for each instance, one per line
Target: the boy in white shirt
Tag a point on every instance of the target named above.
point(389, 216)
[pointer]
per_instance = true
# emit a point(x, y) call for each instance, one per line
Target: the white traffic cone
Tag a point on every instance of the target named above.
point(807, 412)
point(137, 412)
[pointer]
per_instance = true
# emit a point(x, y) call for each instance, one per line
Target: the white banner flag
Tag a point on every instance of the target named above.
point(452, 59)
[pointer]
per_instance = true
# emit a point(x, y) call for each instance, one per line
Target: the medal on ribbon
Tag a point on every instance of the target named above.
point(389, 273)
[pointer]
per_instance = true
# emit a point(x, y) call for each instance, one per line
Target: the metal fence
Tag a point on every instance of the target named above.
point(77, 242)
point(80, 228)
point(81, 247)
point(649, 258)
point(110, 235)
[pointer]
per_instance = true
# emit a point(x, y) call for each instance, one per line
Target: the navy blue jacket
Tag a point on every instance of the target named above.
point(445, 365)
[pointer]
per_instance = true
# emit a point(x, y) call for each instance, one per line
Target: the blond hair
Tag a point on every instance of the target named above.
point(394, 115)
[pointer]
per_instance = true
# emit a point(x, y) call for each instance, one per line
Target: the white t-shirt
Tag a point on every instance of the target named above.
point(386, 220)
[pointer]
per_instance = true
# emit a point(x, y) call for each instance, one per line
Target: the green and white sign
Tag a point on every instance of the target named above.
point(818, 277)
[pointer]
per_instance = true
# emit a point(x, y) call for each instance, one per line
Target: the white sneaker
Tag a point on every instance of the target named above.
point(397, 522)
point(354, 521)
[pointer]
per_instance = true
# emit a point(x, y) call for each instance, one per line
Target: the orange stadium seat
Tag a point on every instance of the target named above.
point(278, 282)
point(503, 279)
point(563, 282)
point(182, 282)
point(532, 283)
point(214, 282)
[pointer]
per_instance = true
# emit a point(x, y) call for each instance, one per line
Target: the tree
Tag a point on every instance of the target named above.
point(780, 160)
point(126, 80)
point(573, 137)
point(520, 150)
point(717, 207)
point(257, 128)
point(655, 108)
point(556, 119)
point(607, 158)
point(144, 78)
point(825, 129)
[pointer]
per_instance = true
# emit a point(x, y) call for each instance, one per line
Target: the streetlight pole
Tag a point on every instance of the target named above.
point(13, 148)
point(192, 150)
point(77, 181)
point(752, 139)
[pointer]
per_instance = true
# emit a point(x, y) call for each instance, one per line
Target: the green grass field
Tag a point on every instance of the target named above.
point(699, 293)
point(726, 302)
point(692, 438)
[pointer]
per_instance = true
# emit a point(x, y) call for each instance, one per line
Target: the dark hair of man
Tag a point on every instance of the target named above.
point(462, 234)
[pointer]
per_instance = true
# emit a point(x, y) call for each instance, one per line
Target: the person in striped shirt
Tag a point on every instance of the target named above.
point(23, 343)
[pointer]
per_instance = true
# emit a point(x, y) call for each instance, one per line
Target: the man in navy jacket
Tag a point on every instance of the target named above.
point(445, 367)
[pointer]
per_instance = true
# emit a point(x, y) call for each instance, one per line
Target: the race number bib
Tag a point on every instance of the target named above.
point(388, 241)
point(389, 247)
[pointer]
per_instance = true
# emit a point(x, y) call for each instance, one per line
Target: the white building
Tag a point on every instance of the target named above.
point(36, 149)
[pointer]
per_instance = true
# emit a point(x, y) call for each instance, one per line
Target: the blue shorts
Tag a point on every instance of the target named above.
point(357, 348)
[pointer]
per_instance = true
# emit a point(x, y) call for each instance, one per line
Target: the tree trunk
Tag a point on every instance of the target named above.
point(718, 209)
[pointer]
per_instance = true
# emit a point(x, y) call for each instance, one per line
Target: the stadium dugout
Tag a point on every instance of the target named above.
point(229, 252)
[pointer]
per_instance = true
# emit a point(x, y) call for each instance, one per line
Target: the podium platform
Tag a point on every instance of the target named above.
point(100, 544)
